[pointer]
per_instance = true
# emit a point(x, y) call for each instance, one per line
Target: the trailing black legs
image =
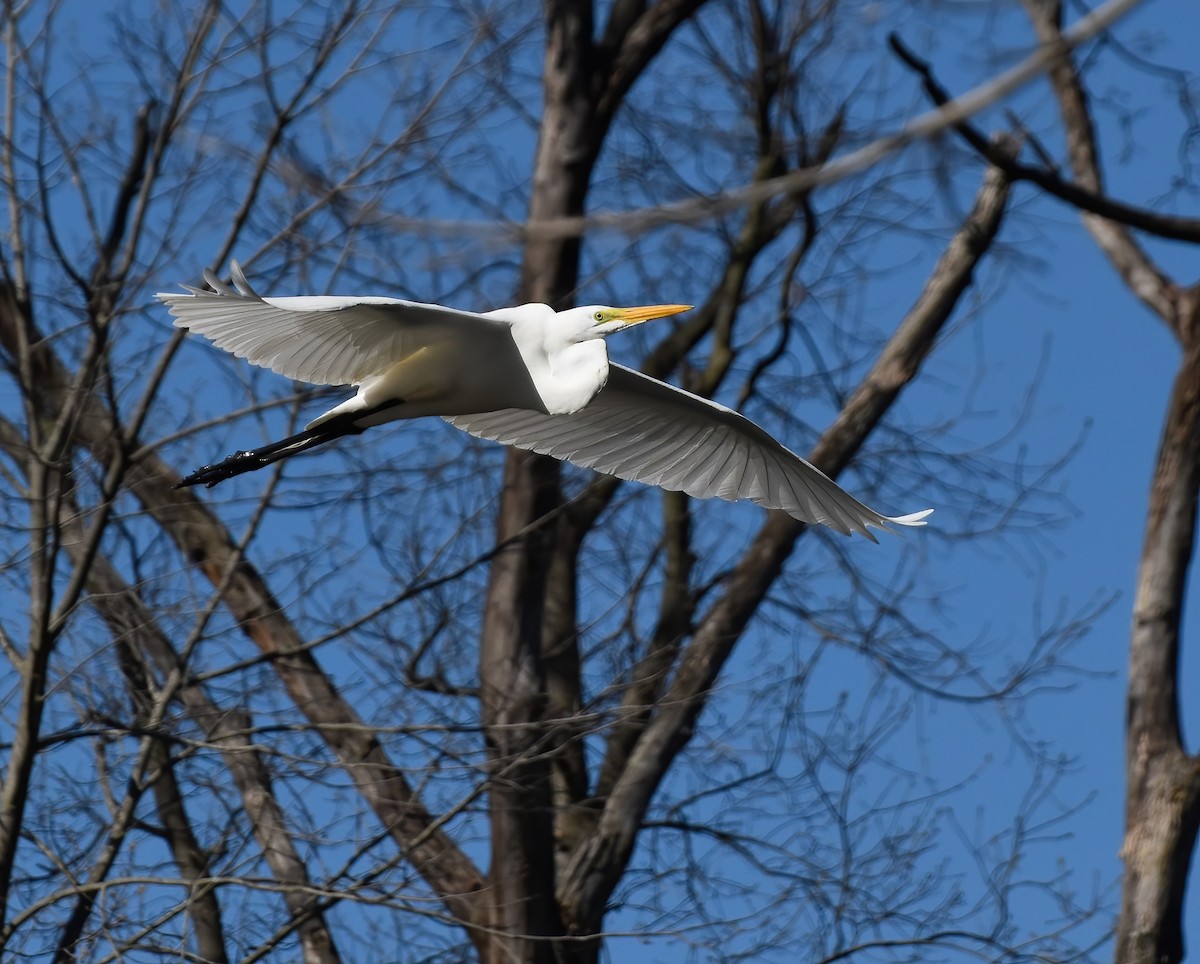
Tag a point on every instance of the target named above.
point(248, 461)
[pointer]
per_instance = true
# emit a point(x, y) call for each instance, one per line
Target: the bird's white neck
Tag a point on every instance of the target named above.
point(566, 376)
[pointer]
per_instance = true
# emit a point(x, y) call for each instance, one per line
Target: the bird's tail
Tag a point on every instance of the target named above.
point(248, 461)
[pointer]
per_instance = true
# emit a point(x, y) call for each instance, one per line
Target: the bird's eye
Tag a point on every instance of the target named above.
point(599, 316)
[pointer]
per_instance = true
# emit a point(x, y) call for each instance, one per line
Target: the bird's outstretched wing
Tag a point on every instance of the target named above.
point(324, 340)
point(644, 430)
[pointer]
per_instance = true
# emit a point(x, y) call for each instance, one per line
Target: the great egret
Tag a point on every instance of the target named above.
point(526, 376)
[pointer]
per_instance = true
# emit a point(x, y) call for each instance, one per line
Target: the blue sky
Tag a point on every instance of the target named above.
point(1047, 303)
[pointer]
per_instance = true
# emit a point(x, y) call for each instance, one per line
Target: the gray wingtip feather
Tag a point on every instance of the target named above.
point(240, 282)
point(215, 287)
point(213, 280)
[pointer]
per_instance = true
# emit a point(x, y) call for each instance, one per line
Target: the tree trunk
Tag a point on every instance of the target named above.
point(512, 671)
point(1162, 807)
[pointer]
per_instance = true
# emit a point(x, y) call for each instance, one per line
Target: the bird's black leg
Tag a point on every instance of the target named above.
point(252, 459)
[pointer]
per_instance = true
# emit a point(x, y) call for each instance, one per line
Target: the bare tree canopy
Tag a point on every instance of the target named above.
point(412, 696)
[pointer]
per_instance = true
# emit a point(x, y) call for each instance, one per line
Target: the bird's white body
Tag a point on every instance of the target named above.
point(526, 376)
point(448, 373)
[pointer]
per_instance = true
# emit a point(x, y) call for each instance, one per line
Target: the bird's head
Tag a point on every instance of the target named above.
point(597, 321)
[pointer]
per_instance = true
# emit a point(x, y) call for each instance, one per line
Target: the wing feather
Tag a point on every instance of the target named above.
point(643, 430)
point(324, 340)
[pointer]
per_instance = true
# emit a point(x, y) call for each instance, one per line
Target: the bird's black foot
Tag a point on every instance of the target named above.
point(227, 468)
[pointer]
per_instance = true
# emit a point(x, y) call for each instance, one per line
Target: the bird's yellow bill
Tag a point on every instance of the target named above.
point(635, 316)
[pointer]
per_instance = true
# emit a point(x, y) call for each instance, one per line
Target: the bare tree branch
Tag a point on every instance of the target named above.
point(538, 228)
point(1132, 263)
point(137, 636)
point(597, 866)
point(206, 544)
point(1170, 226)
point(630, 43)
point(190, 857)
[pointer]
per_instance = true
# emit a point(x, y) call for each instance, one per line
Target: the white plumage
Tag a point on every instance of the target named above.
point(524, 376)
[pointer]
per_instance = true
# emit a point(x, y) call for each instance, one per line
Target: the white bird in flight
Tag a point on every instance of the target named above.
point(525, 376)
